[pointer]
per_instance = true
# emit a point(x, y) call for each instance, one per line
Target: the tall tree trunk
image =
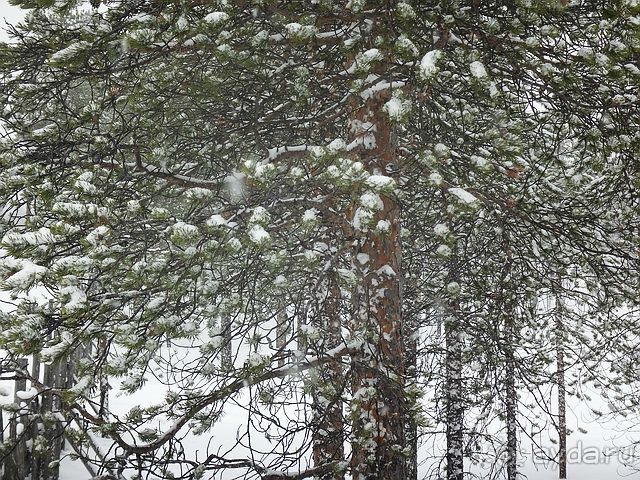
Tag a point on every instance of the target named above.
point(379, 369)
point(454, 401)
point(511, 394)
point(328, 433)
point(411, 348)
point(560, 380)
point(511, 399)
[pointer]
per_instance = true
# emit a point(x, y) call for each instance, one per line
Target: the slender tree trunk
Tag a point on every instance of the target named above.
point(511, 394)
point(560, 380)
point(283, 329)
point(226, 355)
point(379, 370)
point(511, 400)
point(411, 347)
point(454, 401)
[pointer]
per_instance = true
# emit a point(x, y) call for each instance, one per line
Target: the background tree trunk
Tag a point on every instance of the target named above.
point(511, 399)
point(454, 402)
point(560, 380)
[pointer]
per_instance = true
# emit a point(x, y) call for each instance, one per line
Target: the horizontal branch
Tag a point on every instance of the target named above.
point(233, 388)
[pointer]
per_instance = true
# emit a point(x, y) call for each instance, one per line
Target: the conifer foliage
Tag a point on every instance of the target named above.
point(262, 203)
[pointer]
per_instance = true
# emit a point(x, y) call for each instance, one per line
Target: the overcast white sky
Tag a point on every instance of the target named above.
point(8, 14)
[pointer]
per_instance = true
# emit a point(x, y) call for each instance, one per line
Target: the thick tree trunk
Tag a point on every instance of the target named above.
point(378, 448)
point(454, 401)
point(560, 380)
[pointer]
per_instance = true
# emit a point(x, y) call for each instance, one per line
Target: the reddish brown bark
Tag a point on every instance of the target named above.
point(378, 371)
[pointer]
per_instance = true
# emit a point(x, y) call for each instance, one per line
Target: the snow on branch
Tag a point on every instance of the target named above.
point(286, 151)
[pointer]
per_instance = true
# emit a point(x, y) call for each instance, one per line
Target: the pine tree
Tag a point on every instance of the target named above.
point(201, 173)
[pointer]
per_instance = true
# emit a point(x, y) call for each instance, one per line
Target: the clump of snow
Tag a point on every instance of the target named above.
point(297, 30)
point(362, 218)
point(216, 17)
point(441, 229)
point(404, 44)
point(134, 206)
point(259, 215)
point(453, 288)
point(406, 10)
point(234, 244)
point(258, 235)
point(371, 55)
point(198, 193)
point(255, 360)
point(216, 221)
point(26, 394)
point(182, 23)
point(429, 64)
point(185, 230)
point(436, 179)
point(75, 298)
point(369, 92)
point(310, 255)
point(262, 170)
point(369, 141)
point(309, 331)
point(69, 52)
point(396, 108)
point(365, 59)
point(97, 235)
point(85, 186)
point(480, 162)
point(444, 251)
point(310, 216)
point(477, 70)
point(463, 195)
point(156, 301)
point(380, 182)
point(337, 145)
point(42, 236)
point(53, 352)
point(28, 274)
point(296, 172)
point(386, 271)
point(372, 201)
point(362, 258)
point(80, 210)
point(441, 150)
point(383, 226)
